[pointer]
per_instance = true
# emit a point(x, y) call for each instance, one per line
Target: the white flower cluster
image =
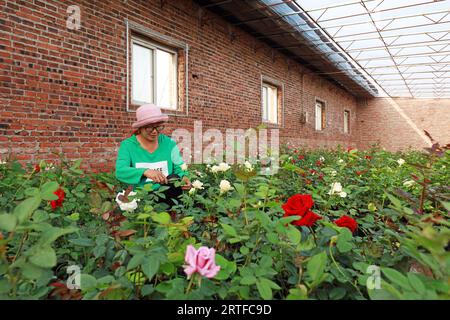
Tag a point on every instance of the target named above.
point(222, 167)
point(336, 188)
point(401, 162)
point(127, 206)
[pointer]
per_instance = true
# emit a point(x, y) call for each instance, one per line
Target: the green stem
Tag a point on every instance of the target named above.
point(190, 284)
point(340, 270)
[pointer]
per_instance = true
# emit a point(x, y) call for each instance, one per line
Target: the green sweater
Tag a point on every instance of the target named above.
point(133, 160)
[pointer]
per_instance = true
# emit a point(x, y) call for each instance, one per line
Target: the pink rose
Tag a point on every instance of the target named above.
point(201, 261)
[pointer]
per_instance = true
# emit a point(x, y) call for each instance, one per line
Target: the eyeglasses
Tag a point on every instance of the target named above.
point(150, 129)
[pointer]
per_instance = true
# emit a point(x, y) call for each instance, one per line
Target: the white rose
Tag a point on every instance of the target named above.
point(184, 167)
point(215, 169)
point(333, 173)
point(197, 184)
point(409, 183)
point(343, 194)
point(127, 206)
point(340, 161)
point(223, 166)
point(401, 162)
point(248, 166)
point(336, 187)
point(322, 159)
point(225, 186)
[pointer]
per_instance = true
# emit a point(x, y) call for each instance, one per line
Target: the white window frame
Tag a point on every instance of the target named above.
point(265, 109)
point(319, 114)
point(155, 46)
point(346, 121)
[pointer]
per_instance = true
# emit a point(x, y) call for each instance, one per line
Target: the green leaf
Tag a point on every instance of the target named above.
point(239, 188)
point(397, 203)
point(316, 267)
point(229, 230)
point(168, 268)
point(397, 278)
point(135, 261)
point(8, 222)
point(297, 294)
point(87, 282)
point(53, 233)
point(43, 256)
point(162, 218)
point(293, 234)
point(150, 267)
point(273, 237)
point(264, 289)
point(26, 208)
point(83, 242)
point(248, 280)
point(337, 293)
point(416, 283)
point(227, 268)
point(48, 189)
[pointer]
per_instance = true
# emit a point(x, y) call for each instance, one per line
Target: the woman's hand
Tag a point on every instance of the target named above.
point(187, 183)
point(156, 176)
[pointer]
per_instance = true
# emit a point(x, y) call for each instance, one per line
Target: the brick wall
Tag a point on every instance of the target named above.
point(65, 90)
point(398, 124)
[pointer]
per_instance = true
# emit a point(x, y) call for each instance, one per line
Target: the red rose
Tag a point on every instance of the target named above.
point(298, 205)
point(348, 222)
point(359, 173)
point(318, 162)
point(301, 157)
point(58, 203)
point(307, 220)
point(37, 168)
point(368, 157)
point(312, 171)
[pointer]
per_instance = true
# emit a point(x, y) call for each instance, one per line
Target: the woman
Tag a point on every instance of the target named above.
point(149, 156)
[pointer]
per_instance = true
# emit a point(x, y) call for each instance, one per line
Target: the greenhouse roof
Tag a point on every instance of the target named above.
point(371, 47)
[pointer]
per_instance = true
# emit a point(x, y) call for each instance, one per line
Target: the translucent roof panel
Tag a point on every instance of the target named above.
point(402, 45)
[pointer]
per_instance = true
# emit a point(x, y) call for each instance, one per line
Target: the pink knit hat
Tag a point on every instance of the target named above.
point(148, 113)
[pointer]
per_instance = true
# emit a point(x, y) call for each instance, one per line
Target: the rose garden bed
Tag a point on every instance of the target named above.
point(342, 224)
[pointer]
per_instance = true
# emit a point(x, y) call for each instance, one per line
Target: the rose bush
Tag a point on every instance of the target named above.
point(243, 234)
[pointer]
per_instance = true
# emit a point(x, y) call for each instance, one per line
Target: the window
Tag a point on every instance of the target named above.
point(269, 103)
point(320, 116)
point(154, 74)
point(346, 121)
